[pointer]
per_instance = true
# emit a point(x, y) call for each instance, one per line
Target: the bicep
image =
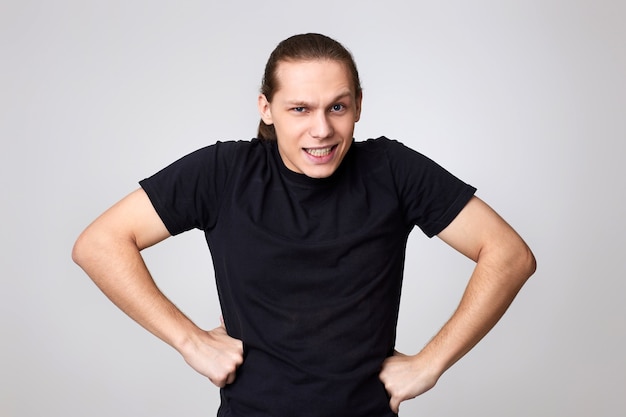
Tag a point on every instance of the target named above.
point(133, 218)
point(478, 228)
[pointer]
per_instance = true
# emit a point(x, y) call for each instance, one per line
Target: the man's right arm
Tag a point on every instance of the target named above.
point(109, 252)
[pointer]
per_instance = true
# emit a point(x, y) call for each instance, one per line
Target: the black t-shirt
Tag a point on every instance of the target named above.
point(308, 271)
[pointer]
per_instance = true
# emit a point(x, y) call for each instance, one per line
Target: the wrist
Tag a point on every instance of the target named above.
point(186, 338)
point(430, 365)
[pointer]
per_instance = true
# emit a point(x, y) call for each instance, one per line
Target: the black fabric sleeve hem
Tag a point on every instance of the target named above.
point(170, 224)
point(455, 208)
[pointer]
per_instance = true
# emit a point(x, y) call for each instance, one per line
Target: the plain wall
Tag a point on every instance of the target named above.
point(524, 99)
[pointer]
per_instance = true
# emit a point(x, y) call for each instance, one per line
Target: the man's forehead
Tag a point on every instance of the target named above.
point(303, 82)
point(293, 73)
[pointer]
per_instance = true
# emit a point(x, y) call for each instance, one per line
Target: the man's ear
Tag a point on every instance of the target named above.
point(359, 100)
point(264, 110)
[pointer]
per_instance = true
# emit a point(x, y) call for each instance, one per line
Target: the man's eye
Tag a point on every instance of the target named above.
point(299, 109)
point(337, 107)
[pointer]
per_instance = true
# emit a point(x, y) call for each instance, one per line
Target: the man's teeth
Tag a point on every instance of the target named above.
point(319, 152)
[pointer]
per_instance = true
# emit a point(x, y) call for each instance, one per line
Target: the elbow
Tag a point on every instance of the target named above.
point(531, 262)
point(89, 247)
point(513, 259)
point(525, 262)
point(97, 246)
point(80, 250)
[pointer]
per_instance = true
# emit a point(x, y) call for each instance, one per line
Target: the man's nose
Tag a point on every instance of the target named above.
point(321, 127)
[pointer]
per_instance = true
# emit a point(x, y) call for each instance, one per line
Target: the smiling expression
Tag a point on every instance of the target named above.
point(313, 111)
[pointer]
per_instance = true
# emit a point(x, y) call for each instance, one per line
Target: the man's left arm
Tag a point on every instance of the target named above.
point(503, 264)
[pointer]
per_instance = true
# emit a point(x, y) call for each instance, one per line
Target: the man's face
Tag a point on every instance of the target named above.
point(313, 112)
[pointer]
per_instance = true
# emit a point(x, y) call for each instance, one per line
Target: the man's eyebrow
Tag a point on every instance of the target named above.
point(297, 103)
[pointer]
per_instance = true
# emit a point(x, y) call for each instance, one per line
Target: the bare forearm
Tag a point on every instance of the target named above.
point(489, 293)
point(116, 266)
point(495, 282)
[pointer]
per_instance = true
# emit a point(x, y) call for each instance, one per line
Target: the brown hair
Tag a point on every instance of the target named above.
point(304, 47)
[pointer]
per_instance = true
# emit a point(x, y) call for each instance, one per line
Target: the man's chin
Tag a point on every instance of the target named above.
point(319, 172)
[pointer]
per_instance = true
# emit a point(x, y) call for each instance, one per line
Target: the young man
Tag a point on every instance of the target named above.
point(307, 229)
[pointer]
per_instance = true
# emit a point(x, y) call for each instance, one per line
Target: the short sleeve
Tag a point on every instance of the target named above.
point(186, 194)
point(431, 197)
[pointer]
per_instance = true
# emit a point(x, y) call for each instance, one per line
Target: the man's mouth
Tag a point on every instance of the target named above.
point(320, 152)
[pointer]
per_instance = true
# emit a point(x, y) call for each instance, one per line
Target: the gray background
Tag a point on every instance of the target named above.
point(524, 99)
